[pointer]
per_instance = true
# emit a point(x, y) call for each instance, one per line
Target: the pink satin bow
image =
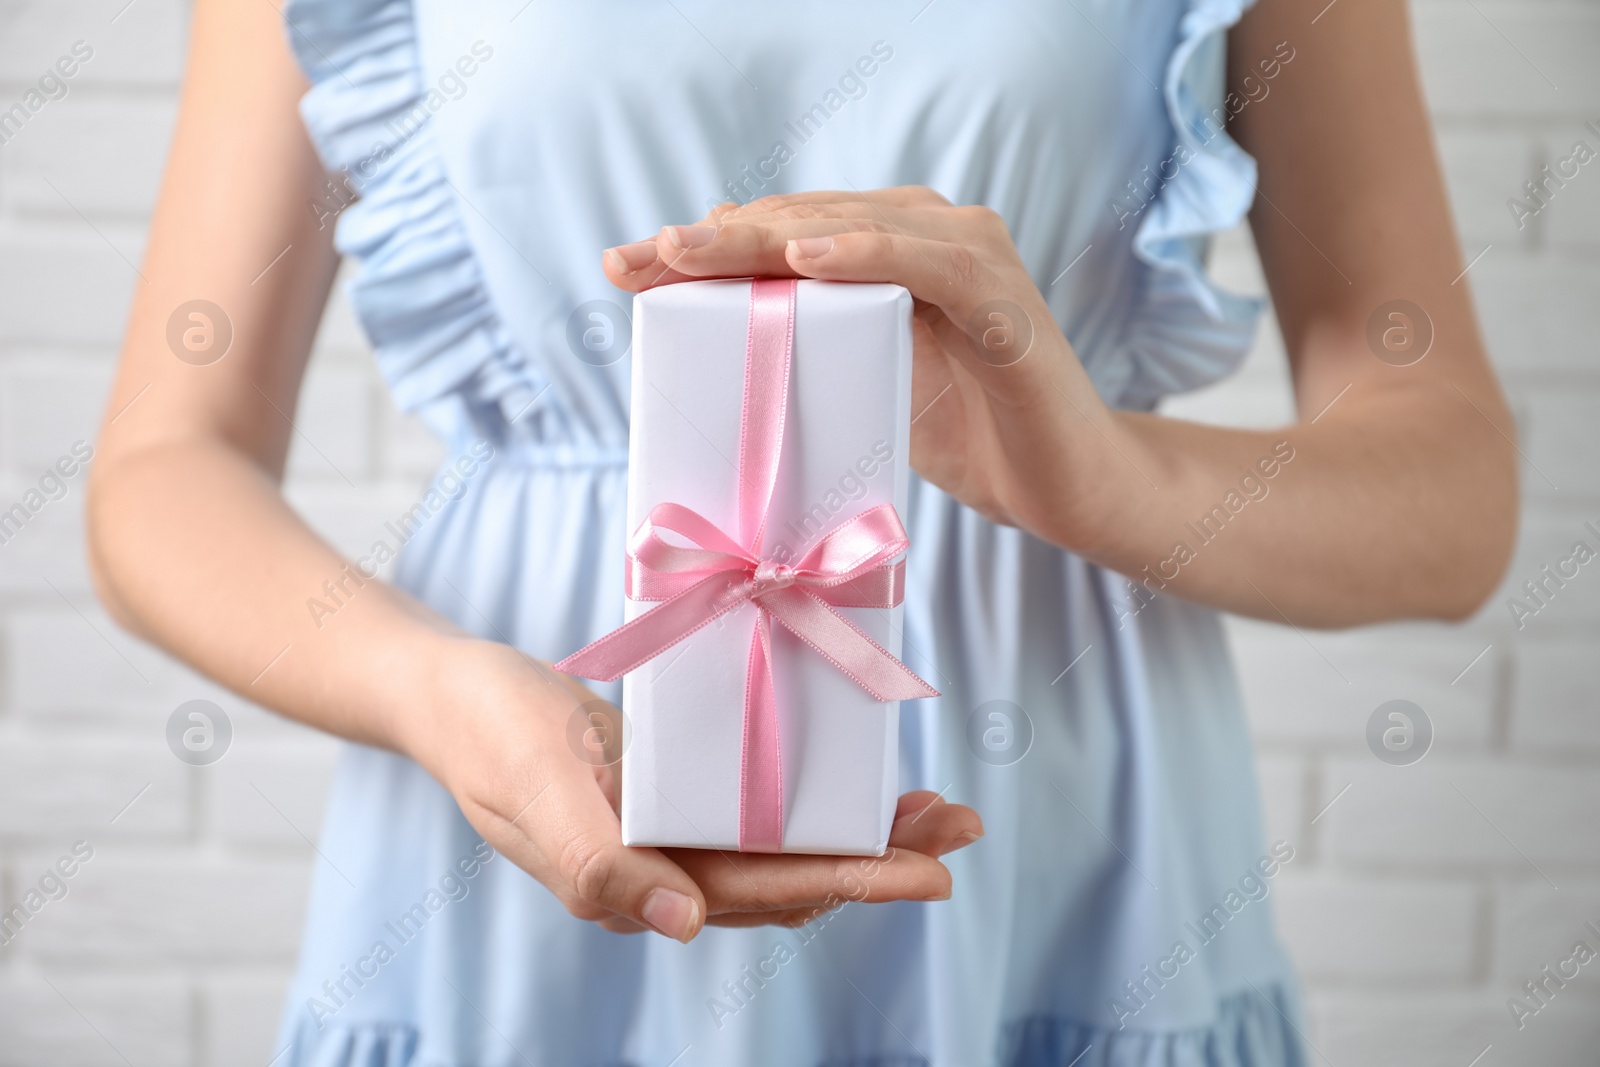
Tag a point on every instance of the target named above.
point(854, 565)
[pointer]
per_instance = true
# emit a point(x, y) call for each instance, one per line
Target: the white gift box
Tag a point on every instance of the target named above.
point(846, 445)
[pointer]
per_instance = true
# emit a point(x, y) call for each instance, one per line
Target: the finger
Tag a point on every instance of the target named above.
point(744, 242)
point(736, 248)
point(740, 240)
point(739, 920)
point(715, 215)
point(618, 925)
point(915, 803)
point(895, 196)
point(951, 336)
point(791, 918)
point(939, 412)
point(938, 223)
point(945, 274)
point(636, 267)
point(993, 334)
point(925, 823)
point(633, 267)
point(637, 884)
point(757, 882)
point(568, 836)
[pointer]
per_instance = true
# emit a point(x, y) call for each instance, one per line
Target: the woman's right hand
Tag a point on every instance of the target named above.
point(495, 732)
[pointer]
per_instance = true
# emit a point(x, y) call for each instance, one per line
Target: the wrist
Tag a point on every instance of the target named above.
point(473, 693)
point(436, 701)
point(1117, 481)
point(1079, 474)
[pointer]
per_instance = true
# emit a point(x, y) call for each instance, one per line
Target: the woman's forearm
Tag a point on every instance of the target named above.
point(192, 546)
point(1395, 503)
point(190, 542)
point(1396, 498)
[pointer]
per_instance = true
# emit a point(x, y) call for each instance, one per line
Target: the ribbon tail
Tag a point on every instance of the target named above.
point(761, 773)
point(839, 641)
point(657, 630)
point(883, 586)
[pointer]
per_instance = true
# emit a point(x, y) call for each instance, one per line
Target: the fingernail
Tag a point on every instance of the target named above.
point(810, 247)
point(672, 913)
point(934, 899)
point(963, 839)
point(687, 237)
point(625, 259)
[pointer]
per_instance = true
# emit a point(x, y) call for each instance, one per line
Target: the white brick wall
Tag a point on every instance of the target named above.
point(1424, 895)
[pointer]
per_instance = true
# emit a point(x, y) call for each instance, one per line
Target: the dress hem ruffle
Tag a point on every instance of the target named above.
point(1254, 1028)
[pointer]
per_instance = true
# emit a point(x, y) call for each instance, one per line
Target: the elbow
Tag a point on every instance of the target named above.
point(1469, 595)
point(1488, 521)
point(104, 561)
point(1468, 598)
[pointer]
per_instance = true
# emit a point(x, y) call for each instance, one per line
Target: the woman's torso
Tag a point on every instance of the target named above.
point(498, 148)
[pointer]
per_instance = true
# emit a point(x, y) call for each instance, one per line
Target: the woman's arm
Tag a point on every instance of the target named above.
point(1402, 497)
point(1397, 500)
point(192, 544)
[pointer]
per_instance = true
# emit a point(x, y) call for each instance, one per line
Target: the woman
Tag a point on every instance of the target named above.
point(1042, 177)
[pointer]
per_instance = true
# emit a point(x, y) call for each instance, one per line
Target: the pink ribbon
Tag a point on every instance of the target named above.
point(855, 565)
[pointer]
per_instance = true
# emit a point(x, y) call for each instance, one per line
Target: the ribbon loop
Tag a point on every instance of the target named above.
point(855, 565)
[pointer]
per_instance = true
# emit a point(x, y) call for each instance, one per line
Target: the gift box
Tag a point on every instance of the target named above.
point(768, 466)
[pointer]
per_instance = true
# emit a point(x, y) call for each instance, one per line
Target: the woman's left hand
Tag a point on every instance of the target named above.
point(995, 381)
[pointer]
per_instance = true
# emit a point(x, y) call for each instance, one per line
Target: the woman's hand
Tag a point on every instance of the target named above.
point(498, 733)
point(995, 380)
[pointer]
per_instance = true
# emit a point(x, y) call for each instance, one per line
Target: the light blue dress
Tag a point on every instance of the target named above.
point(498, 147)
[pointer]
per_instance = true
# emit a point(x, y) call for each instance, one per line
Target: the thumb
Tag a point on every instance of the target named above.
point(571, 840)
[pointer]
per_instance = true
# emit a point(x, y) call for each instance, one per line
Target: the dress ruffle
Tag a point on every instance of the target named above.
point(371, 1045)
point(1184, 330)
point(419, 290)
point(1253, 1029)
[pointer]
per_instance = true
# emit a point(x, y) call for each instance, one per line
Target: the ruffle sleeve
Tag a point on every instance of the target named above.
point(1186, 331)
point(419, 290)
